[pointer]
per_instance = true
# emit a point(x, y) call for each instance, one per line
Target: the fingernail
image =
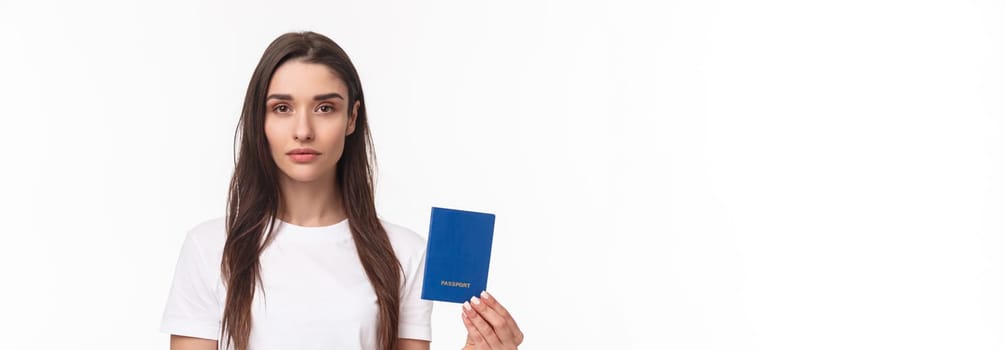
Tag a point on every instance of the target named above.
point(474, 300)
point(485, 295)
point(467, 306)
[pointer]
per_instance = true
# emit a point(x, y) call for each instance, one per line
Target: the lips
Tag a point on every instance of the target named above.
point(303, 155)
point(303, 151)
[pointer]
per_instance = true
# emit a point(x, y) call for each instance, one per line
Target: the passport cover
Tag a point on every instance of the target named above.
point(457, 254)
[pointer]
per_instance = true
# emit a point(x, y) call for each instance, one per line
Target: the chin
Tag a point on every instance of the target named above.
point(303, 175)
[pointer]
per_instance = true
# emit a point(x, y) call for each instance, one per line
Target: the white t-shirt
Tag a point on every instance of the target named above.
point(316, 293)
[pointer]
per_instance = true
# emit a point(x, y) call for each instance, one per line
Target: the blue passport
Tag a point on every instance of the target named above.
point(457, 254)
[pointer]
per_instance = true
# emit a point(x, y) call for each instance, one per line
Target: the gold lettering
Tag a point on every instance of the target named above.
point(455, 284)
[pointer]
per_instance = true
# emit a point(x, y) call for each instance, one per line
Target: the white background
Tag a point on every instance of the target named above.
point(689, 175)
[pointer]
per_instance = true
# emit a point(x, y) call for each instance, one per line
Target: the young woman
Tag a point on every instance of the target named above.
point(301, 260)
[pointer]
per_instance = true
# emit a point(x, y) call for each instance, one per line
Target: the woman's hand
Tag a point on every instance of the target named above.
point(490, 326)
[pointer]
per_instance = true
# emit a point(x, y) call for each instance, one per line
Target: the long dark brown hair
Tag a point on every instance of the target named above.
point(254, 196)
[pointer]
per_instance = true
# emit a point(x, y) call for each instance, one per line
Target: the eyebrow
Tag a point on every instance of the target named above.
point(316, 98)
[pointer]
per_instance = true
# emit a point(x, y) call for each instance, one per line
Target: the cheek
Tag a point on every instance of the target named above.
point(272, 132)
point(336, 140)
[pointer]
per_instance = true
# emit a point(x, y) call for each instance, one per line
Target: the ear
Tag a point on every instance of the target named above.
point(352, 119)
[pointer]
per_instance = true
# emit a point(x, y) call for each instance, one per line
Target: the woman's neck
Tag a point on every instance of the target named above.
point(317, 203)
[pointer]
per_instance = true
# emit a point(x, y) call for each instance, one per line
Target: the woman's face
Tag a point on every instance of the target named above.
point(307, 119)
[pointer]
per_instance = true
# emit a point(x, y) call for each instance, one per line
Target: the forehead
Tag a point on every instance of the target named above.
point(302, 79)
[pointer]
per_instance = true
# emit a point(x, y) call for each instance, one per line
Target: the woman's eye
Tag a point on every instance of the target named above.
point(281, 108)
point(326, 109)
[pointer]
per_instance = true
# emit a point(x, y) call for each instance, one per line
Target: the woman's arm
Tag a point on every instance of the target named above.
point(411, 344)
point(179, 342)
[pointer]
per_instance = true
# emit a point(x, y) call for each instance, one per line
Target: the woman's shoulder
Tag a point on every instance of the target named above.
point(209, 233)
point(403, 239)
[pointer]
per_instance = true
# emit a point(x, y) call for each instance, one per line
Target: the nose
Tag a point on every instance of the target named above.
point(304, 131)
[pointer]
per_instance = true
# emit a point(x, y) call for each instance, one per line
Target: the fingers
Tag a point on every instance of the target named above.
point(501, 311)
point(474, 337)
point(482, 327)
point(501, 325)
